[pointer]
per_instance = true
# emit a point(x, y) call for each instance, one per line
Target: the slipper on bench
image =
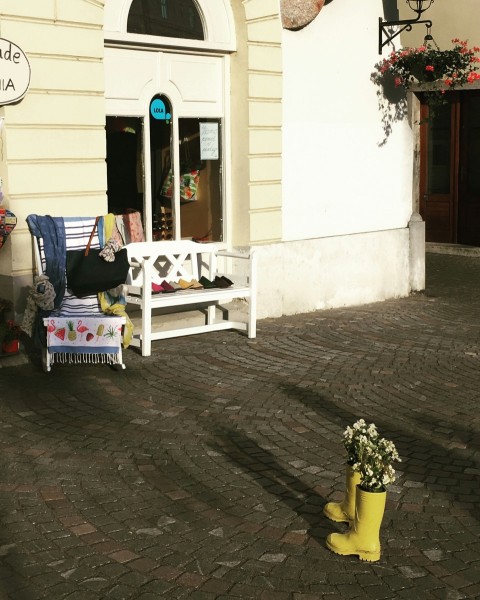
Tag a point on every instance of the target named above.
point(223, 282)
point(196, 285)
point(185, 285)
point(156, 288)
point(162, 288)
point(190, 285)
point(167, 288)
point(207, 284)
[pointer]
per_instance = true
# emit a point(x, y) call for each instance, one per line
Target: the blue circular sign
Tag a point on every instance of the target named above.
point(158, 110)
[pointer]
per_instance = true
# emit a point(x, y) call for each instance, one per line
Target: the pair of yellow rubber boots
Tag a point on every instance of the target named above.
point(363, 511)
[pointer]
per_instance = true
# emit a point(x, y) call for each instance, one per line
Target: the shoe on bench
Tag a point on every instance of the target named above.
point(207, 284)
point(223, 282)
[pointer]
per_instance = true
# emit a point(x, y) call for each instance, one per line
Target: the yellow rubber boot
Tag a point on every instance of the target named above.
point(363, 539)
point(344, 512)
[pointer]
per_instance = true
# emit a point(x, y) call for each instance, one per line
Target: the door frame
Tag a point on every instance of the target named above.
point(165, 72)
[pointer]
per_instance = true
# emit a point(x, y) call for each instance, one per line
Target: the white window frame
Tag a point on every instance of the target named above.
point(220, 39)
point(216, 15)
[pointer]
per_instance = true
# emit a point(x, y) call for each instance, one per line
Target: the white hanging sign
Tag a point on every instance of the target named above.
point(208, 141)
point(14, 72)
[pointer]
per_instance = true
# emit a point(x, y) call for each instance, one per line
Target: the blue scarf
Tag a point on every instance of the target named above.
point(52, 231)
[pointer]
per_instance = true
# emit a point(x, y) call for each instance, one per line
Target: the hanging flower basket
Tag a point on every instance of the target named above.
point(448, 69)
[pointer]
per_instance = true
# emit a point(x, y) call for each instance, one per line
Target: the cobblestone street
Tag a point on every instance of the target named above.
point(201, 472)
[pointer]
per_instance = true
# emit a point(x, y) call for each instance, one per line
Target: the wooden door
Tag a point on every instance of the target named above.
point(450, 170)
point(438, 157)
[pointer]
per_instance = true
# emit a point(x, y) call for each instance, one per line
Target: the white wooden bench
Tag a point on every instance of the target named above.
point(172, 261)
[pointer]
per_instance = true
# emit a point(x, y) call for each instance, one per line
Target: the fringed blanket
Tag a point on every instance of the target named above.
point(91, 339)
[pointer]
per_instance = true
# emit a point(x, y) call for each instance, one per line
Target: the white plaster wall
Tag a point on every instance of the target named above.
point(307, 275)
point(337, 178)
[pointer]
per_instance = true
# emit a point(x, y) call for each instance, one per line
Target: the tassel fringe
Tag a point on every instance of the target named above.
point(74, 358)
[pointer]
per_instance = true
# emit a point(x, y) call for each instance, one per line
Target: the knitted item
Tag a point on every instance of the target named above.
point(41, 295)
point(43, 292)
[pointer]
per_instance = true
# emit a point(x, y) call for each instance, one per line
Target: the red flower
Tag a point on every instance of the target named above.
point(429, 68)
point(473, 76)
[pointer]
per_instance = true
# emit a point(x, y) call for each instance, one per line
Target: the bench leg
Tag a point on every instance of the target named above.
point(252, 318)
point(46, 366)
point(146, 341)
point(211, 314)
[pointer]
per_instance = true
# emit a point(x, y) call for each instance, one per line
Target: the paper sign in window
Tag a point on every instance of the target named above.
point(208, 141)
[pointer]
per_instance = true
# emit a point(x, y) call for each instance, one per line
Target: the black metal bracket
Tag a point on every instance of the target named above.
point(407, 26)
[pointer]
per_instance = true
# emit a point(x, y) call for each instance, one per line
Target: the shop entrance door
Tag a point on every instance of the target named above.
point(450, 170)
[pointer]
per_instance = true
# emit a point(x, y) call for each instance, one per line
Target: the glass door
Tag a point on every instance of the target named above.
point(171, 173)
point(186, 175)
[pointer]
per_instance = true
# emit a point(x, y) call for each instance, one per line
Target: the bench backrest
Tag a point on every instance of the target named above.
point(170, 260)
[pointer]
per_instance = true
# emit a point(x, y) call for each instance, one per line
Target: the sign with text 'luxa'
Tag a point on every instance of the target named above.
point(14, 72)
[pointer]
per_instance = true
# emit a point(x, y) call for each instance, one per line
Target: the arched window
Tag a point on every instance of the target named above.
point(166, 18)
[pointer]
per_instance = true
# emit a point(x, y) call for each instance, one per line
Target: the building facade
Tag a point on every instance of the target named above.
point(281, 128)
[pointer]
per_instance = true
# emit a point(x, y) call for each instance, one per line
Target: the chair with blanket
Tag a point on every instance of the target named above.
point(73, 330)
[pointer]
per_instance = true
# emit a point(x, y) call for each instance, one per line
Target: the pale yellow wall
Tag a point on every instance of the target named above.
point(262, 99)
point(53, 141)
point(237, 220)
point(458, 19)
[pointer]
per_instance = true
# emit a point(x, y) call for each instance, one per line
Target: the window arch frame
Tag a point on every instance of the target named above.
point(166, 21)
point(217, 20)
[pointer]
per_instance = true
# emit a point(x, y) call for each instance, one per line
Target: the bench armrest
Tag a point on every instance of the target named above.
point(232, 254)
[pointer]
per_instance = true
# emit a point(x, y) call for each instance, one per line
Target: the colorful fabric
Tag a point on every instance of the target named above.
point(8, 222)
point(77, 231)
point(188, 185)
point(114, 305)
point(130, 227)
point(88, 335)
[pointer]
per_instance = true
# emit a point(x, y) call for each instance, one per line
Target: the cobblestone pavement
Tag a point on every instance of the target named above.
point(201, 471)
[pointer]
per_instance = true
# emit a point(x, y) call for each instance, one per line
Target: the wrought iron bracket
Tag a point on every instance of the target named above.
point(407, 26)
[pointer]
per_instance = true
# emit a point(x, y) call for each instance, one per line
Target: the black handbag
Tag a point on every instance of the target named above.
point(88, 273)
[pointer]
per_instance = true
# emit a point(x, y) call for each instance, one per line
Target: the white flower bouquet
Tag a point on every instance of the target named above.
point(355, 438)
point(370, 455)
